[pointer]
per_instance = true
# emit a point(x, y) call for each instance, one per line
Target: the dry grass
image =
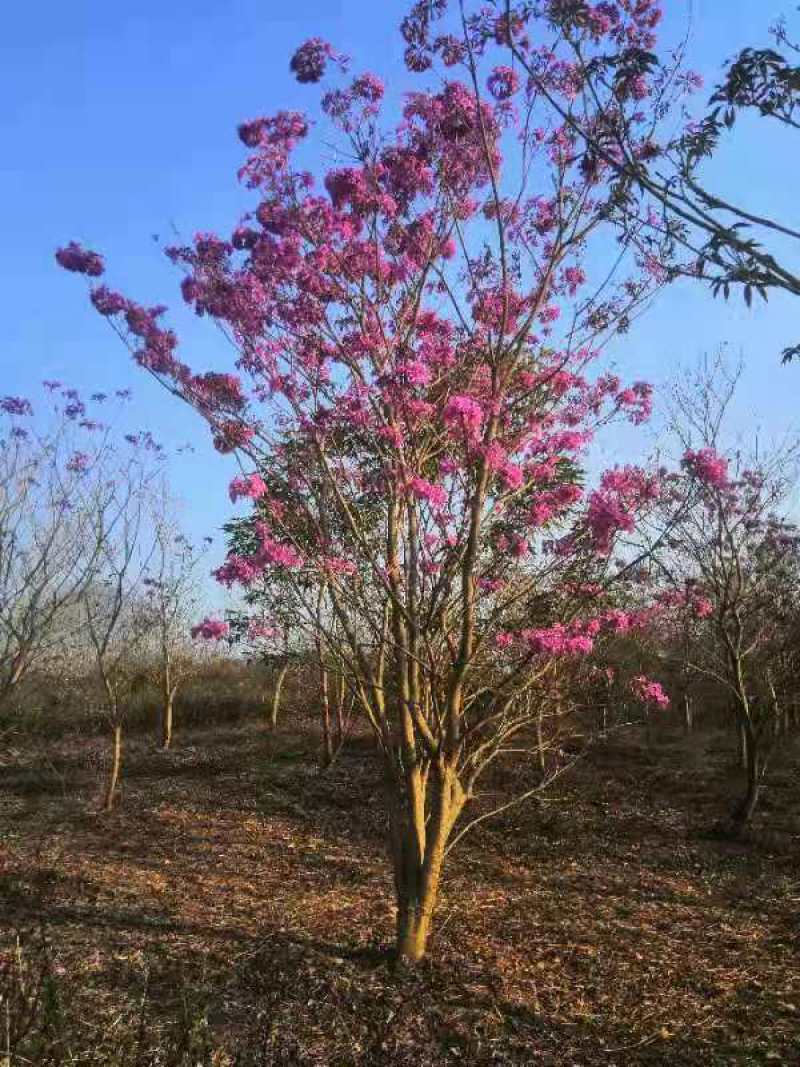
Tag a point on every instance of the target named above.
point(245, 900)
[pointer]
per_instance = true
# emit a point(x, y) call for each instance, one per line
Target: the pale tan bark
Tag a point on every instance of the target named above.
point(116, 764)
point(418, 852)
point(276, 696)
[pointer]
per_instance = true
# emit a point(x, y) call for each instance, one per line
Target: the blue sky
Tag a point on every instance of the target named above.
point(118, 123)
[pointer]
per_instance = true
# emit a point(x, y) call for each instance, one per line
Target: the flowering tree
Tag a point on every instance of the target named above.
point(729, 570)
point(117, 620)
point(419, 336)
point(742, 558)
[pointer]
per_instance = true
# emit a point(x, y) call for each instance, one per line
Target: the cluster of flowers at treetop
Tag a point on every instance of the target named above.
point(514, 423)
point(707, 467)
point(396, 373)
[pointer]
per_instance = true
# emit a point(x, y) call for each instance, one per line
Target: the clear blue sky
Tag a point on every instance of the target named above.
point(117, 122)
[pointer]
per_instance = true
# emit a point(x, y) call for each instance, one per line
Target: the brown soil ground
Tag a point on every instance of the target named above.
point(237, 909)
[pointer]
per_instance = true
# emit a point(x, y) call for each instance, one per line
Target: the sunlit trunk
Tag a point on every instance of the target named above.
point(418, 846)
point(275, 706)
point(116, 764)
point(167, 718)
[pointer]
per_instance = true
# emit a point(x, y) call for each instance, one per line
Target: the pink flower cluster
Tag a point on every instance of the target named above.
point(647, 691)
point(691, 597)
point(258, 630)
point(210, 629)
point(707, 466)
point(422, 489)
point(557, 640)
point(80, 260)
point(502, 83)
point(464, 415)
point(249, 486)
point(612, 507)
point(310, 60)
point(79, 463)
point(15, 405)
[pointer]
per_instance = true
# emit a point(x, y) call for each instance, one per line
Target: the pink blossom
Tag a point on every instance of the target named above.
point(702, 607)
point(612, 507)
point(574, 277)
point(463, 413)
point(251, 486)
point(78, 463)
point(108, 302)
point(211, 629)
point(257, 629)
point(425, 490)
point(309, 61)
point(502, 83)
point(557, 641)
point(369, 87)
point(15, 405)
point(279, 555)
point(238, 570)
point(336, 565)
point(512, 475)
point(80, 260)
point(393, 435)
point(707, 467)
point(647, 691)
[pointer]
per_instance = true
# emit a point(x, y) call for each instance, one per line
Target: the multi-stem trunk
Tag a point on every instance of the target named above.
point(423, 808)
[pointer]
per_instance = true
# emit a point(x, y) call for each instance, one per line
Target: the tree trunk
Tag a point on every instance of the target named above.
point(166, 719)
point(745, 808)
point(418, 851)
point(688, 714)
point(341, 696)
point(540, 750)
point(327, 737)
point(276, 696)
point(116, 764)
point(742, 746)
point(602, 718)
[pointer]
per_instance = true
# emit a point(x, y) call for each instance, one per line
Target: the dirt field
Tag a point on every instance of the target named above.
point(237, 910)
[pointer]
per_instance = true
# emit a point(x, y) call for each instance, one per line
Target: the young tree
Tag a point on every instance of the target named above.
point(171, 596)
point(730, 566)
point(52, 484)
point(117, 621)
point(420, 340)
